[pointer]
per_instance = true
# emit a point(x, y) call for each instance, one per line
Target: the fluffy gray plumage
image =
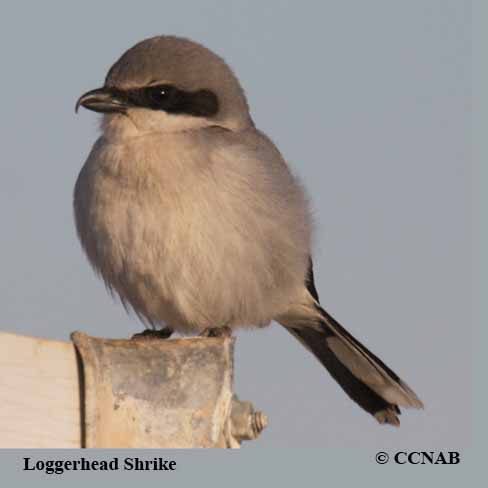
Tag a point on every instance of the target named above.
point(196, 222)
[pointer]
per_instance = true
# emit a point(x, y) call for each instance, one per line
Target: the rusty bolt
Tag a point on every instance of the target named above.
point(246, 422)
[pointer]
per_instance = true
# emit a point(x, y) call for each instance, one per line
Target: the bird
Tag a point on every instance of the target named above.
point(191, 216)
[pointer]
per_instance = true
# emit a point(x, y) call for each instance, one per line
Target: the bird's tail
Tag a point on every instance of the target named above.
point(361, 374)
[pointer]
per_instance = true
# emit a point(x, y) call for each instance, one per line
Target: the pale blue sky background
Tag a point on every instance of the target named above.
point(368, 101)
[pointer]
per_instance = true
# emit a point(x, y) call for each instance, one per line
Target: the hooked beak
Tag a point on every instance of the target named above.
point(103, 100)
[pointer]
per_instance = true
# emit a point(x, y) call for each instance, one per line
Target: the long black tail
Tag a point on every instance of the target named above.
point(362, 375)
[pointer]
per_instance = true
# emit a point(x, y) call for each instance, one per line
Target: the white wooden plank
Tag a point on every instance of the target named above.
point(39, 393)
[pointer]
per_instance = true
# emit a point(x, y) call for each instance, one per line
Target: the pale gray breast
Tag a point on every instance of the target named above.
point(214, 224)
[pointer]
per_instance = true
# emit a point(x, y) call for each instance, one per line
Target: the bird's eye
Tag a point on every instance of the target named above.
point(160, 94)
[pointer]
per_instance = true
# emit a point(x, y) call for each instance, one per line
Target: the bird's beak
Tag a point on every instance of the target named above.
point(103, 100)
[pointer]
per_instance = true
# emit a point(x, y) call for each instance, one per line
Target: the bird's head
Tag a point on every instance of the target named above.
point(169, 84)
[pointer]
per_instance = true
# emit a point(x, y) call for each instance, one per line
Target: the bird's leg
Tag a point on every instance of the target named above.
point(150, 334)
point(217, 332)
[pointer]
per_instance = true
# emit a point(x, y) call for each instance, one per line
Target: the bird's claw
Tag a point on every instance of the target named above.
point(151, 334)
point(217, 332)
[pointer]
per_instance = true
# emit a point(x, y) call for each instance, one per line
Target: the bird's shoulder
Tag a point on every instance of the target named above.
point(249, 144)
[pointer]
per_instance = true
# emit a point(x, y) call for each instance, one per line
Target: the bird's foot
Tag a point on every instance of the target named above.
point(217, 332)
point(151, 334)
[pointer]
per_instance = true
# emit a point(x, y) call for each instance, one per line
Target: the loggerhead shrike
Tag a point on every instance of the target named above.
point(190, 214)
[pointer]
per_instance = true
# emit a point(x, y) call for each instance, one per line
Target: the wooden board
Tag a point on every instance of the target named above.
point(39, 393)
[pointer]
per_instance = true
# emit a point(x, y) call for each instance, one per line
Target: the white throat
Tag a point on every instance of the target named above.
point(138, 122)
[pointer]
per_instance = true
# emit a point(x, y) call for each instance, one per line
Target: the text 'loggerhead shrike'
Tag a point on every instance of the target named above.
point(190, 214)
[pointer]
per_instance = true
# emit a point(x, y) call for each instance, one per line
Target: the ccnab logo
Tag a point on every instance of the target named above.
point(427, 457)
